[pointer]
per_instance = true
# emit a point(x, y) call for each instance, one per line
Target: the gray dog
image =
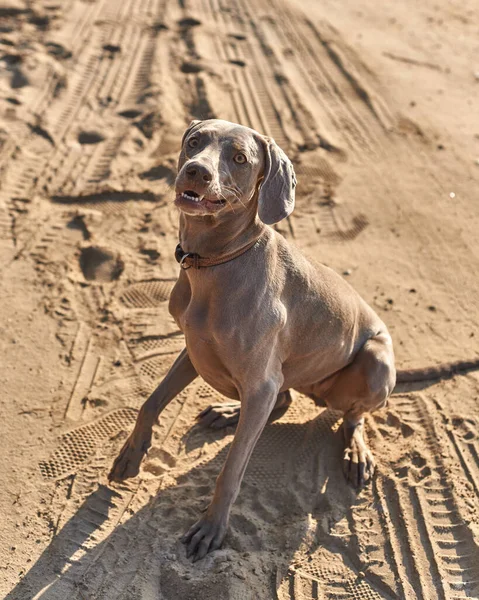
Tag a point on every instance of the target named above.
point(258, 318)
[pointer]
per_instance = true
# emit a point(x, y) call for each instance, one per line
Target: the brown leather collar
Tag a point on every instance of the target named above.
point(189, 259)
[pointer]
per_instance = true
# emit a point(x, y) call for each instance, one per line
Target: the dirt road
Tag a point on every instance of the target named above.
point(377, 107)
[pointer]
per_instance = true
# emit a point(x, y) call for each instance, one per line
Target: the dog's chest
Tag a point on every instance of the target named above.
point(208, 356)
point(198, 320)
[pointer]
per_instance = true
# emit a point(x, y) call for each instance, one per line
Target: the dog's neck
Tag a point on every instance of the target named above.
point(214, 236)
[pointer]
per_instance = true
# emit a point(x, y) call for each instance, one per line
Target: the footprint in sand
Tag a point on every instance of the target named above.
point(191, 67)
point(188, 22)
point(100, 265)
point(90, 137)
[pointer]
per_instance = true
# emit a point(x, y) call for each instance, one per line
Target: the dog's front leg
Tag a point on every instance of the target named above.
point(127, 463)
point(256, 406)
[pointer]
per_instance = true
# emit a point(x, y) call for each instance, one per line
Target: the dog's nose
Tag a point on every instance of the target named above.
point(196, 169)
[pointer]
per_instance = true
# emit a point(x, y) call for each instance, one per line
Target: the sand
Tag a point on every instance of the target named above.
point(376, 104)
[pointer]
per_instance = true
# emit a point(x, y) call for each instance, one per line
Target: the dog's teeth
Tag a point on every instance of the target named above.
point(192, 198)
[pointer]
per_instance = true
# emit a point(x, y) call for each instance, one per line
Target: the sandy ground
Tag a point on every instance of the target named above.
point(376, 103)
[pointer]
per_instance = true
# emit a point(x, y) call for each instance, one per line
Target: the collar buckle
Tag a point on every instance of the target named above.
point(184, 265)
point(181, 257)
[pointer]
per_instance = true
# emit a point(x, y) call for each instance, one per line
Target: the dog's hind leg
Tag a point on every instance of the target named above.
point(225, 414)
point(361, 387)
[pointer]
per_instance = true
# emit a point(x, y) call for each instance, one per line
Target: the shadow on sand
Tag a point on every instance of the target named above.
point(292, 495)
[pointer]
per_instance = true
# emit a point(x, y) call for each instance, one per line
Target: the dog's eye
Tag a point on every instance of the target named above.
point(240, 158)
point(193, 142)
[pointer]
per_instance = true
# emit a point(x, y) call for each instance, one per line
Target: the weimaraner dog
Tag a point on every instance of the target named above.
point(258, 318)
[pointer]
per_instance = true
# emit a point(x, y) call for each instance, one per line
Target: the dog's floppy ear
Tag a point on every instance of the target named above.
point(191, 126)
point(276, 194)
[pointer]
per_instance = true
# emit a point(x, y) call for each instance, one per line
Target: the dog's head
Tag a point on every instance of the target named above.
point(224, 167)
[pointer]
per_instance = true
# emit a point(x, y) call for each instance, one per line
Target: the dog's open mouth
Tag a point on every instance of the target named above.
point(191, 195)
point(194, 197)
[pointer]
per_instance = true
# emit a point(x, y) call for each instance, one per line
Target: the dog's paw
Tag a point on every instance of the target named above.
point(220, 415)
point(358, 463)
point(206, 535)
point(127, 463)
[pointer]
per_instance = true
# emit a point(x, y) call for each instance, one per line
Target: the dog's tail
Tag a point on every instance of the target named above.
point(442, 371)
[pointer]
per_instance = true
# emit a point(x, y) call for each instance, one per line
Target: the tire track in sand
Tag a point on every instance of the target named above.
point(109, 80)
point(28, 153)
point(264, 95)
point(442, 549)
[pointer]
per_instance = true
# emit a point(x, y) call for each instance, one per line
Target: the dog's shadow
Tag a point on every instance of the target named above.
point(292, 494)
